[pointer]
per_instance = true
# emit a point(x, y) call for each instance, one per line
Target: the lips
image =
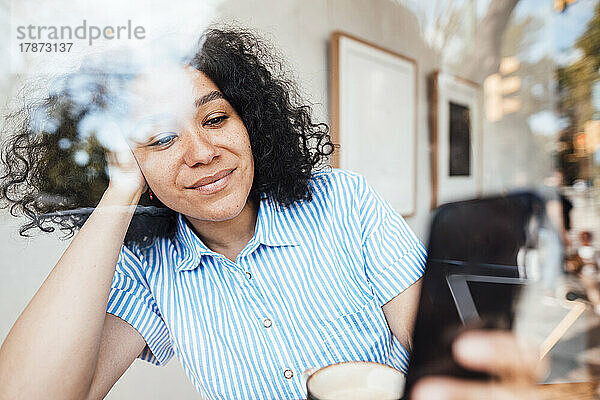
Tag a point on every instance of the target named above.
point(212, 183)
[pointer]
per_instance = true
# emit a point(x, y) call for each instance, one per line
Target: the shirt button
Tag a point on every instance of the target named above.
point(267, 323)
point(248, 275)
point(288, 374)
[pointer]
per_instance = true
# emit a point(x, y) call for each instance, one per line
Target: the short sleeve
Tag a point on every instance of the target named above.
point(131, 300)
point(394, 256)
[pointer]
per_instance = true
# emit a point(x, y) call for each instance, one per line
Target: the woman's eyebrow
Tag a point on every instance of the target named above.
point(214, 95)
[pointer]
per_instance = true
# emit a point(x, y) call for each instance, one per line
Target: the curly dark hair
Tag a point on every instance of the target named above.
point(54, 173)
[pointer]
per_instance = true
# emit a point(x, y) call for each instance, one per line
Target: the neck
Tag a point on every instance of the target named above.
point(228, 237)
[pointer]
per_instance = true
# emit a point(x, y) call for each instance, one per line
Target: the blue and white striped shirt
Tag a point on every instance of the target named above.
point(306, 291)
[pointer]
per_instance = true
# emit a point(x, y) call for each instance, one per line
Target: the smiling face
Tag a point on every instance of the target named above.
point(191, 146)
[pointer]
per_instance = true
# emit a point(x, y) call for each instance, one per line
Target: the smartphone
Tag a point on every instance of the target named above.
point(473, 276)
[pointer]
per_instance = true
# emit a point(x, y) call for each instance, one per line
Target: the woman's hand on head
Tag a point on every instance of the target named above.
point(124, 172)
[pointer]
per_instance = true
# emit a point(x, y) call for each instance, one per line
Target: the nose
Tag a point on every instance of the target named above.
point(198, 148)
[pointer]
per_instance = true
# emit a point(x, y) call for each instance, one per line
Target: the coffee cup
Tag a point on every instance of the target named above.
point(354, 380)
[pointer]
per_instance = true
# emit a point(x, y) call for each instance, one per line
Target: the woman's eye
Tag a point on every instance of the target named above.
point(163, 141)
point(216, 120)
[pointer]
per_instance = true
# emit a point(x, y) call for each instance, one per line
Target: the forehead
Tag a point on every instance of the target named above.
point(169, 88)
point(167, 95)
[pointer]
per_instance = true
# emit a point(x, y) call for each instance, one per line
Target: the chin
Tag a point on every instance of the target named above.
point(218, 211)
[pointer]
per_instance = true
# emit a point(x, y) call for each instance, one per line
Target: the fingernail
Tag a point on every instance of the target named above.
point(473, 346)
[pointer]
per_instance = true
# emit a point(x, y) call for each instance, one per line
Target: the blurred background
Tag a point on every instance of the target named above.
point(533, 66)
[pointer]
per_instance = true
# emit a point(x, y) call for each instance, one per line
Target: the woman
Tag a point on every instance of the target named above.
point(265, 266)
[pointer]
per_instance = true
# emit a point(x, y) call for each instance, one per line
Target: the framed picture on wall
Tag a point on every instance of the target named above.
point(456, 139)
point(373, 117)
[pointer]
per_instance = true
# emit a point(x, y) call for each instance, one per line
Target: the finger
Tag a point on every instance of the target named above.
point(440, 388)
point(121, 155)
point(122, 161)
point(499, 354)
point(111, 159)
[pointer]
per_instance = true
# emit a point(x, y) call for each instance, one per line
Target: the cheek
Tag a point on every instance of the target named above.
point(158, 174)
point(246, 153)
point(238, 142)
point(243, 143)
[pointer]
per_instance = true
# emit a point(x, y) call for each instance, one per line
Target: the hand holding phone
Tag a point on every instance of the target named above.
point(515, 369)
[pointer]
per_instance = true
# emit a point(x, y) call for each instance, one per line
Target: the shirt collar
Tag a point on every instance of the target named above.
point(273, 225)
point(273, 228)
point(189, 245)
